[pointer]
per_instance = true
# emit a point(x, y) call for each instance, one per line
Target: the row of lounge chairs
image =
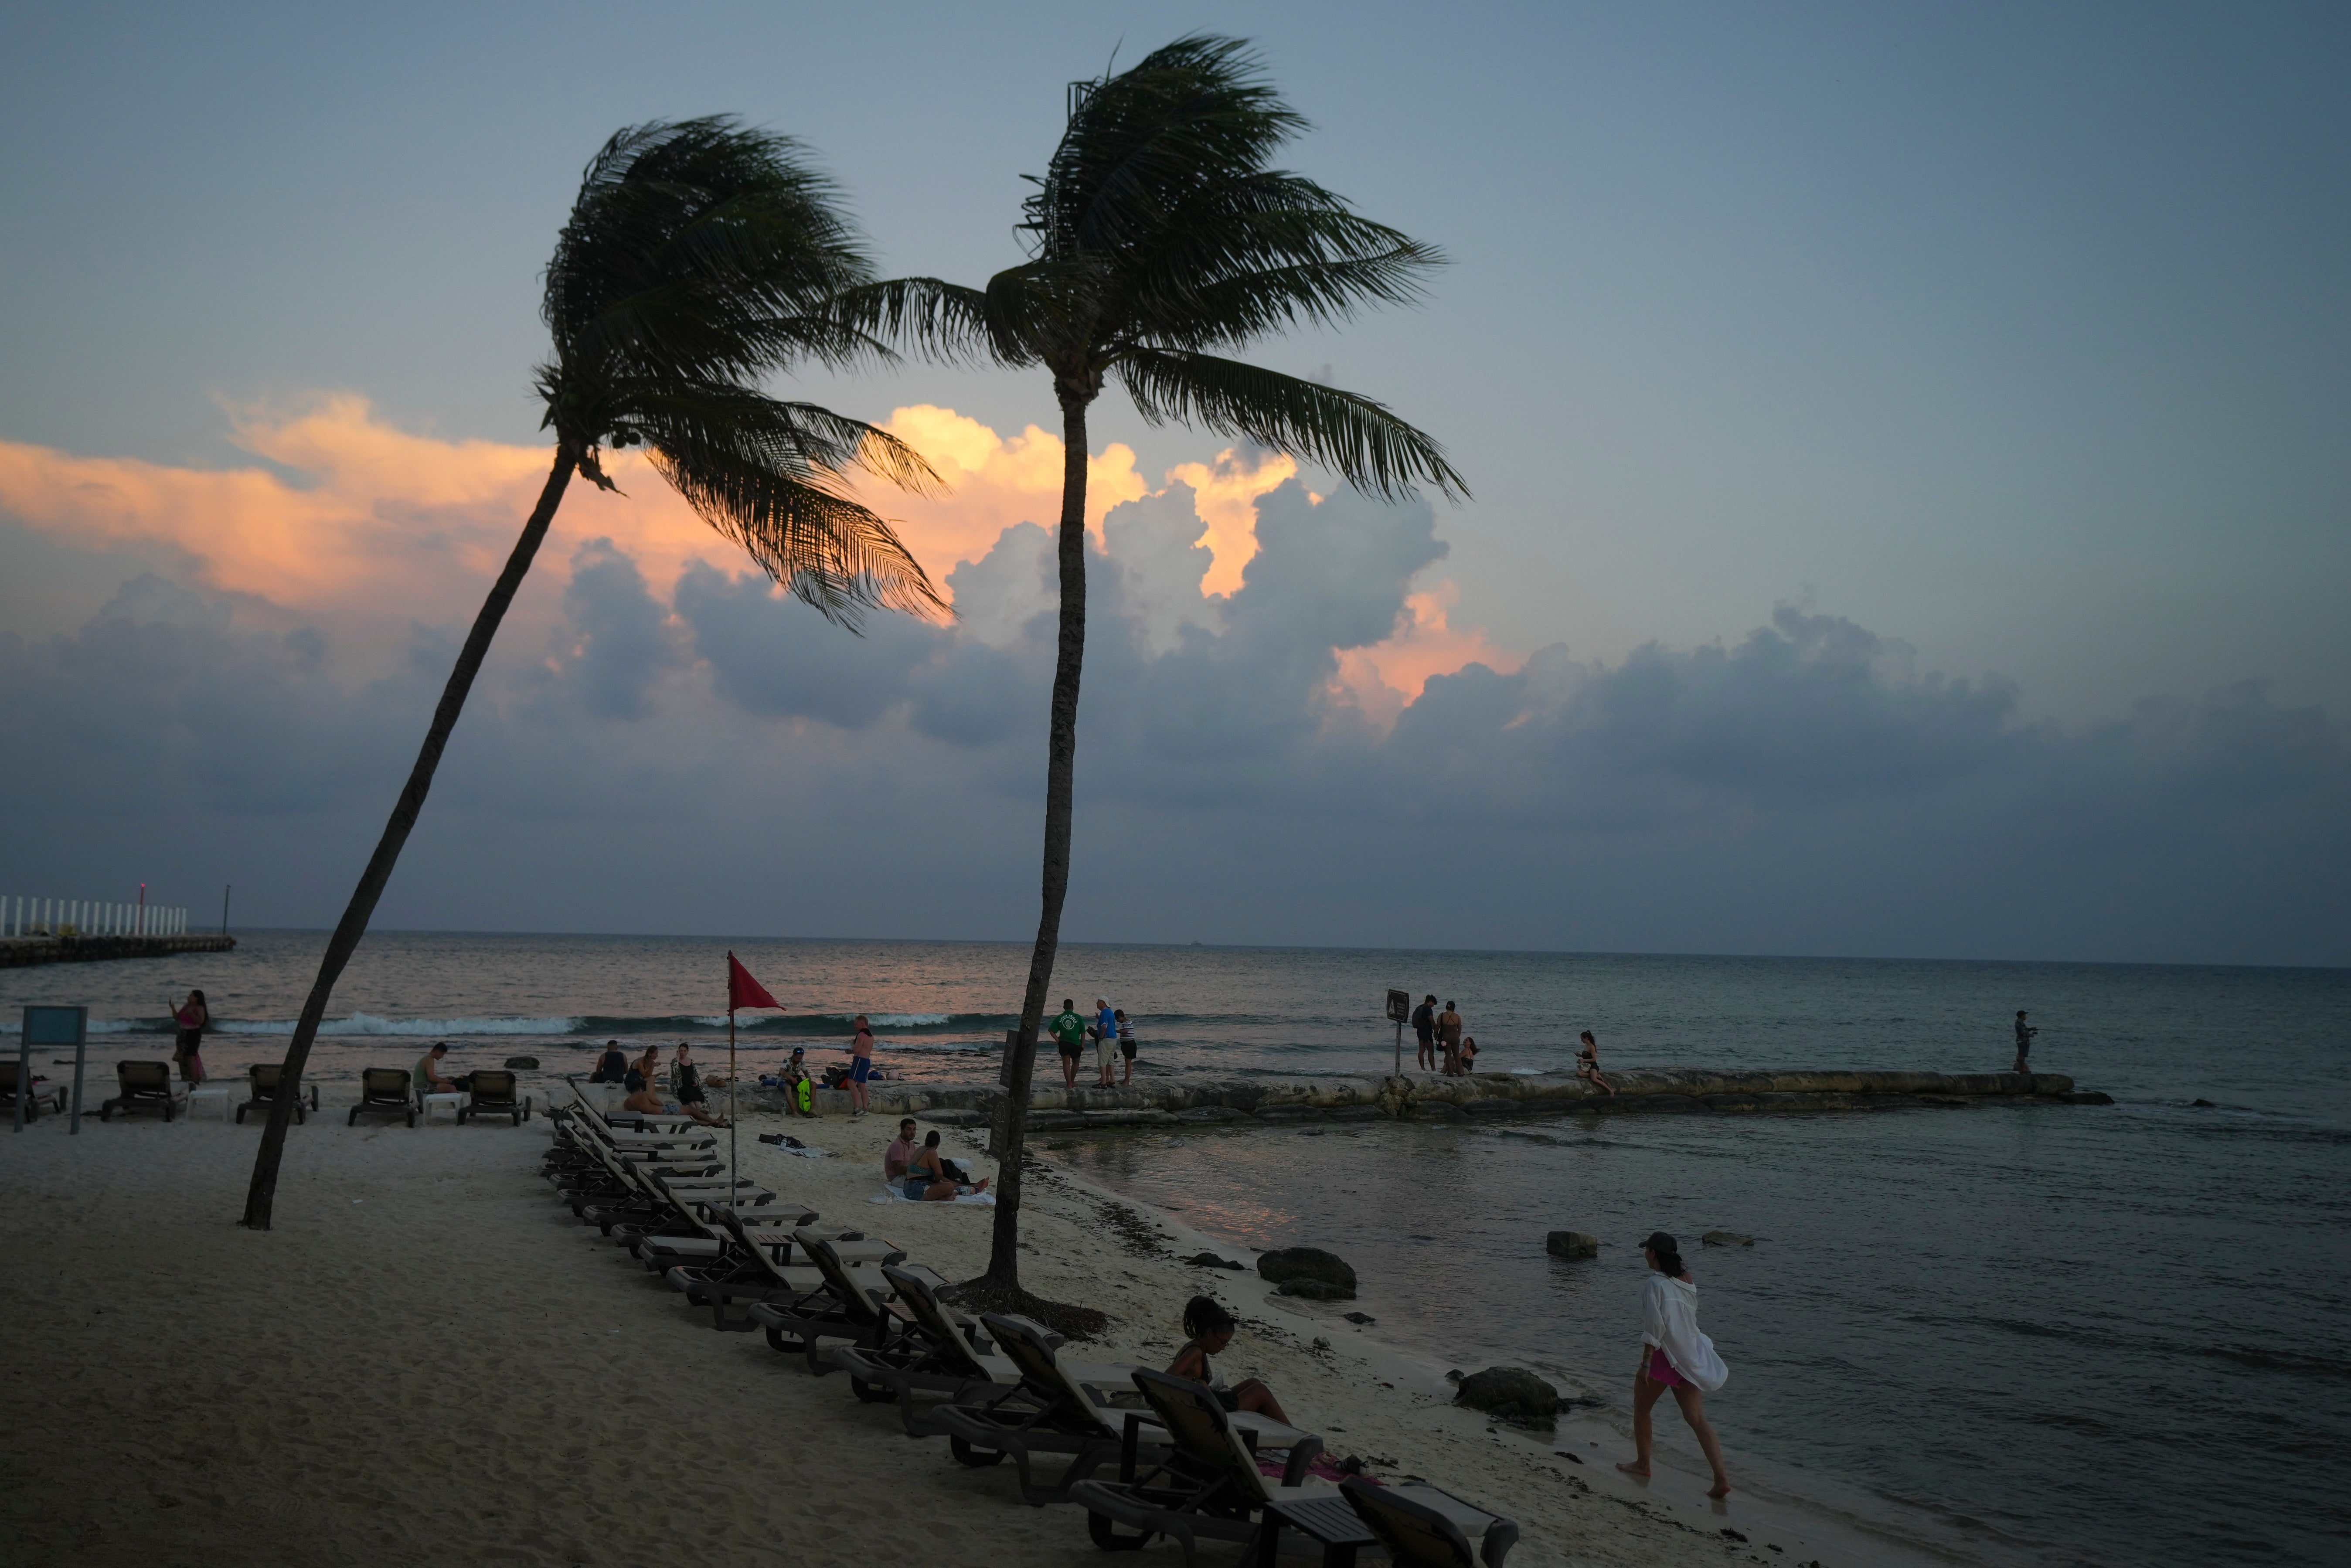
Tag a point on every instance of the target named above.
point(383, 1091)
point(1145, 1454)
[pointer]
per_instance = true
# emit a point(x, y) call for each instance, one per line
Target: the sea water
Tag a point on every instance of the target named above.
point(2032, 1333)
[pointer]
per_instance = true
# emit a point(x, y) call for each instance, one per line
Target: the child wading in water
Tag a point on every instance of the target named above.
point(1674, 1355)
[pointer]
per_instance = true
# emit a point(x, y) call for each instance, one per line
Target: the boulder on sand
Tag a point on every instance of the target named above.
point(1572, 1244)
point(1210, 1261)
point(522, 1063)
point(1511, 1393)
point(1308, 1272)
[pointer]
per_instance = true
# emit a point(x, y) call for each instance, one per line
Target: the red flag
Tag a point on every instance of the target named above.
point(743, 991)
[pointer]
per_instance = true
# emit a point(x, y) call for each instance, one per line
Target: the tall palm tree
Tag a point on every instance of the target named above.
point(699, 256)
point(1161, 235)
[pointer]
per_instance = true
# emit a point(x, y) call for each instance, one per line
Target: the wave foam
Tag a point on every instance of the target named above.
point(370, 1024)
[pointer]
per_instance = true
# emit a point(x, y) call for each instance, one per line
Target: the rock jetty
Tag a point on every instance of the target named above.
point(1181, 1100)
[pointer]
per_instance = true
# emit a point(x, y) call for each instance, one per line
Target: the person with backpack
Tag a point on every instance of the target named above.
point(1424, 1031)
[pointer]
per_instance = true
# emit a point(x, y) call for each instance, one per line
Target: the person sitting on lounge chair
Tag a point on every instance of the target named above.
point(928, 1179)
point(428, 1077)
point(1211, 1328)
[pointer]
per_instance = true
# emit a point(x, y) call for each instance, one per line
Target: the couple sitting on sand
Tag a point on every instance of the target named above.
point(922, 1173)
point(684, 1078)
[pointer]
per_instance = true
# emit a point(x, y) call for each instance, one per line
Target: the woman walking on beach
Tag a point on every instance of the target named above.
point(189, 1020)
point(1674, 1355)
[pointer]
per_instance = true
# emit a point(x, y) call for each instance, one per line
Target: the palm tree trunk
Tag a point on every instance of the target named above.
point(1060, 766)
point(354, 924)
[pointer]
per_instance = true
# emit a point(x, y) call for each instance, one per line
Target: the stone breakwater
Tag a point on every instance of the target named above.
point(1177, 1100)
point(17, 952)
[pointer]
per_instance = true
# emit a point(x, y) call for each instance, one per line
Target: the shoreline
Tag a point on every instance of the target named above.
point(425, 1317)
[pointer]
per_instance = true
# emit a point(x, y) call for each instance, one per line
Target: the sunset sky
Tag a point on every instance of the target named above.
point(1912, 508)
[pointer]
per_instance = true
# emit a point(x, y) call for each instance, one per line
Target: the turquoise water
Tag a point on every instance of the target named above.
point(2053, 1334)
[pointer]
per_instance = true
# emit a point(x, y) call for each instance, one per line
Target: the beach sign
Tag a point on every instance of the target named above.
point(1399, 1010)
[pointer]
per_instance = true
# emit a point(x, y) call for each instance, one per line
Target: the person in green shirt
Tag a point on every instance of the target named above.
point(1068, 1033)
point(427, 1076)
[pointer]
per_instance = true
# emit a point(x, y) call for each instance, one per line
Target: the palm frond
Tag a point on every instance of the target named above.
point(941, 320)
point(1354, 436)
point(830, 550)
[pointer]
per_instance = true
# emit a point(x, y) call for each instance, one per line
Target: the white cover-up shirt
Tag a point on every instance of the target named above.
point(1669, 1321)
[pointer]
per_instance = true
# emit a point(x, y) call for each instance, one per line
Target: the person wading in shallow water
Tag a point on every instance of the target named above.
point(1674, 1355)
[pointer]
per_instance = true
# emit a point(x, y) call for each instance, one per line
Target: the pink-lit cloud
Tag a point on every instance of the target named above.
point(1386, 678)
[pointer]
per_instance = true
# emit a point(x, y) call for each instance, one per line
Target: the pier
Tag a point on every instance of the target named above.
point(1187, 1100)
point(16, 952)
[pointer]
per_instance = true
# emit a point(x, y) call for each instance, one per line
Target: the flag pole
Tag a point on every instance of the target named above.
point(733, 1176)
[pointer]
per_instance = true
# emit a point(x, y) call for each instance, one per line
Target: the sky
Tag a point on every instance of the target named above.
point(1906, 446)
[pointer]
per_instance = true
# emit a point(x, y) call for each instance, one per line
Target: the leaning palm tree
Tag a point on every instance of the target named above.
point(1162, 235)
point(699, 256)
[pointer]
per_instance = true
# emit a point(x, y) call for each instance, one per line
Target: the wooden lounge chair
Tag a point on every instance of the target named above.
point(263, 1077)
point(1419, 1534)
point(383, 1091)
point(146, 1086)
point(492, 1093)
point(44, 1093)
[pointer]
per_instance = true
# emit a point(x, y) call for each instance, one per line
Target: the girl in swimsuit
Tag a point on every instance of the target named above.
point(191, 1020)
point(1587, 1064)
point(1211, 1328)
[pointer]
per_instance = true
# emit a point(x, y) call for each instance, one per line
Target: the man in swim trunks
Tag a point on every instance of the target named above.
point(1068, 1033)
point(860, 1066)
point(1106, 1033)
point(2024, 1042)
point(1125, 1042)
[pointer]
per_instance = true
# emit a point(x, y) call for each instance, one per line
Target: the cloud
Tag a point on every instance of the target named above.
point(1318, 754)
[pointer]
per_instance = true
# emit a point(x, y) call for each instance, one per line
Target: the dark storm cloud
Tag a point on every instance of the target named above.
point(774, 656)
point(1802, 789)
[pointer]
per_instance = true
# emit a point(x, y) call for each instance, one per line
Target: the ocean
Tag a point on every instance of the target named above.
point(2031, 1334)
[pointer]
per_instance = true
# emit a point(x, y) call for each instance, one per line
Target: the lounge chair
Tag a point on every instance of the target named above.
point(944, 1352)
point(492, 1093)
point(1065, 1416)
point(1209, 1485)
point(146, 1086)
point(383, 1091)
point(44, 1093)
point(1419, 1534)
point(265, 1077)
point(847, 1305)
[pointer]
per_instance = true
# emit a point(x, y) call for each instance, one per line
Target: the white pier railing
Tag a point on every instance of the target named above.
point(89, 917)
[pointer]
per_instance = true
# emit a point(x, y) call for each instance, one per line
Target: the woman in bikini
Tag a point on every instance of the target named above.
point(1674, 1355)
point(928, 1180)
point(1587, 1064)
point(1211, 1328)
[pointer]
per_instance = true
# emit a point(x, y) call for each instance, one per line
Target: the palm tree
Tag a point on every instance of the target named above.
point(699, 256)
point(1161, 235)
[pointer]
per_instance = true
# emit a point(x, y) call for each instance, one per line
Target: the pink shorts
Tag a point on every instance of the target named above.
point(1662, 1371)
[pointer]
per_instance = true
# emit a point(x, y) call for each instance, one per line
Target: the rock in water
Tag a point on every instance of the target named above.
point(1727, 1238)
point(1512, 1393)
point(1572, 1244)
point(522, 1063)
point(1308, 1272)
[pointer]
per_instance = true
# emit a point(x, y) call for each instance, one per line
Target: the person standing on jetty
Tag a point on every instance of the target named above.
point(189, 1020)
point(1674, 1355)
point(860, 1066)
point(1423, 1031)
point(1106, 1033)
point(2024, 1042)
point(1068, 1033)
point(1448, 1038)
point(1125, 1043)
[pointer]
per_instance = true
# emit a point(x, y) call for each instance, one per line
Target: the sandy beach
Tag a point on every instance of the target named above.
point(428, 1356)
